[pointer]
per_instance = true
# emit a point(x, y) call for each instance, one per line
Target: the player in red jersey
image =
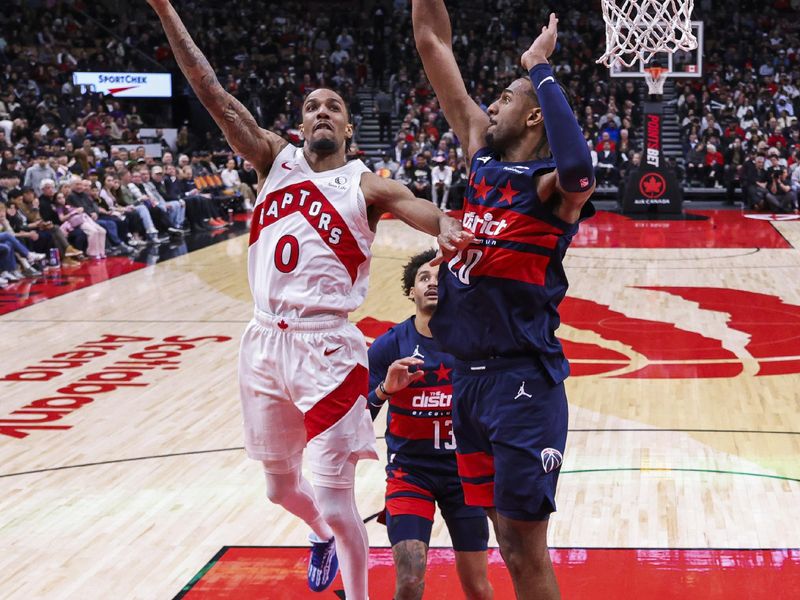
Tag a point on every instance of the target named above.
point(303, 367)
point(531, 177)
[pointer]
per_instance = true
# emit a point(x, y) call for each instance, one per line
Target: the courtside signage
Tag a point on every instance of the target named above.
point(126, 85)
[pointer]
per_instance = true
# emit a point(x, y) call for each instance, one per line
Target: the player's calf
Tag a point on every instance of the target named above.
point(473, 573)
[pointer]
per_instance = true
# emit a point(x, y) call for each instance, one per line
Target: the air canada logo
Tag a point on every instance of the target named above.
point(551, 459)
point(652, 185)
point(627, 347)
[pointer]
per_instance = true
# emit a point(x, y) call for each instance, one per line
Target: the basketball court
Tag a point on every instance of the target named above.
point(123, 473)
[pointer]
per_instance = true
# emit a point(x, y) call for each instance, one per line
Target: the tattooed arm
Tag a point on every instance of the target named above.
point(257, 145)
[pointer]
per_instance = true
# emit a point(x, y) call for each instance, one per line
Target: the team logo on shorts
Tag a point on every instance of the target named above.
point(551, 459)
point(522, 393)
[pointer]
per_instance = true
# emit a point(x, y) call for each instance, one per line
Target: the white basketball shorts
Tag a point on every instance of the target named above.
point(304, 384)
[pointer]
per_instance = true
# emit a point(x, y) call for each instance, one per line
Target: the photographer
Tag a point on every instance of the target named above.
point(780, 196)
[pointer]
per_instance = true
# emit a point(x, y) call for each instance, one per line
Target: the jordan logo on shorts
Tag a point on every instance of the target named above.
point(551, 459)
point(417, 353)
point(522, 392)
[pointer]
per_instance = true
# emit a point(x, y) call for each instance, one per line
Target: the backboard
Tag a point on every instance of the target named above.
point(679, 64)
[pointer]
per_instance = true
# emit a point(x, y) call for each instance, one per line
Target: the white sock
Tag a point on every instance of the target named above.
point(338, 507)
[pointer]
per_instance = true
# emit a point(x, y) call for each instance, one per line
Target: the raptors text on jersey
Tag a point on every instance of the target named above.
point(310, 240)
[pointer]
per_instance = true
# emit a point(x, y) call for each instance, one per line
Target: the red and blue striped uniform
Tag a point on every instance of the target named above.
point(421, 470)
point(498, 314)
point(500, 296)
point(419, 427)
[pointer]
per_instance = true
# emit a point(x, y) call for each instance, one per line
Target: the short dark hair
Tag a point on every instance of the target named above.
point(412, 266)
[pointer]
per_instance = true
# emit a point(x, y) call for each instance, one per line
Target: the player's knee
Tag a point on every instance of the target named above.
point(335, 516)
point(281, 493)
point(520, 557)
point(478, 589)
point(409, 586)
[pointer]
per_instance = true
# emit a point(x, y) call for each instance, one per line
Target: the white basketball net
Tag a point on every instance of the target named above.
point(639, 29)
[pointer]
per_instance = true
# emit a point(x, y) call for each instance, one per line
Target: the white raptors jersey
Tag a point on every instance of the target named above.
point(309, 240)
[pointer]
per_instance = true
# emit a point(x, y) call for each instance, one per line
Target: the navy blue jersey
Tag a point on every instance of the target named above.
point(500, 296)
point(419, 426)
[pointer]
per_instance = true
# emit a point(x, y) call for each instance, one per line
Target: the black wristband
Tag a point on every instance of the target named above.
point(383, 390)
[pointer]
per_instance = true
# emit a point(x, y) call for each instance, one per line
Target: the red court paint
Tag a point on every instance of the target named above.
point(62, 281)
point(773, 325)
point(665, 350)
point(583, 574)
point(695, 229)
point(672, 352)
point(703, 229)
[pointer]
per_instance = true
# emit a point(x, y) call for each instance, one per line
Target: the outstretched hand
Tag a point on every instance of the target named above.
point(452, 239)
point(399, 375)
point(543, 46)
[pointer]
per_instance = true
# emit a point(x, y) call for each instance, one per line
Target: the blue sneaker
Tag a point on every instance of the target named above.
point(322, 564)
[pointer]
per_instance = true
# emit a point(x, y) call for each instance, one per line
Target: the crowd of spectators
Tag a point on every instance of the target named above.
point(739, 122)
point(743, 106)
point(74, 174)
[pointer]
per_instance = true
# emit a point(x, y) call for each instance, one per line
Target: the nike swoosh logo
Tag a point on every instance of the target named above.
point(329, 352)
point(543, 81)
point(285, 167)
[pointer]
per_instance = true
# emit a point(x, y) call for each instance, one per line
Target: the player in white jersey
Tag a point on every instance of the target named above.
point(303, 367)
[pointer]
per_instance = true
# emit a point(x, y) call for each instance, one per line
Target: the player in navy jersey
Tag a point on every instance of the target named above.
point(409, 372)
point(531, 176)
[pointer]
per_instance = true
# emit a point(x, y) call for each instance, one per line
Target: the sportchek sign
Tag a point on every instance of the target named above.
point(126, 85)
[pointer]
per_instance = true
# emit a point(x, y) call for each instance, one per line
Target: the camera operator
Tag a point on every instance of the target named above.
point(780, 196)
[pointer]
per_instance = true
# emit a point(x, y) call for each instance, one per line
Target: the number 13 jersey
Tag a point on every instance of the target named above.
point(310, 240)
point(419, 424)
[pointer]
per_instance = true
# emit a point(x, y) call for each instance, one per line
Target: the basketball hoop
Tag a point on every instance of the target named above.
point(655, 78)
point(640, 29)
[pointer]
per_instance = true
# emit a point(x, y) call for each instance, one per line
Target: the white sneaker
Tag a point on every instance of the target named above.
point(3, 282)
point(11, 276)
point(36, 256)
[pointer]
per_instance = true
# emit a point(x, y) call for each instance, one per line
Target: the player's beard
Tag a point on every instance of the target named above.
point(495, 142)
point(324, 145)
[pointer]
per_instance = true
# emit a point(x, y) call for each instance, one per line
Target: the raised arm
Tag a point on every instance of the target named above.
point(573, 178)
point(393, 197)
point(257, 145)
point(433, 37)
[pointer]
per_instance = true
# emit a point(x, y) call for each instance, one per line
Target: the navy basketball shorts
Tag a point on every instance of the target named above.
point(510, 425)
point(410, 507)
